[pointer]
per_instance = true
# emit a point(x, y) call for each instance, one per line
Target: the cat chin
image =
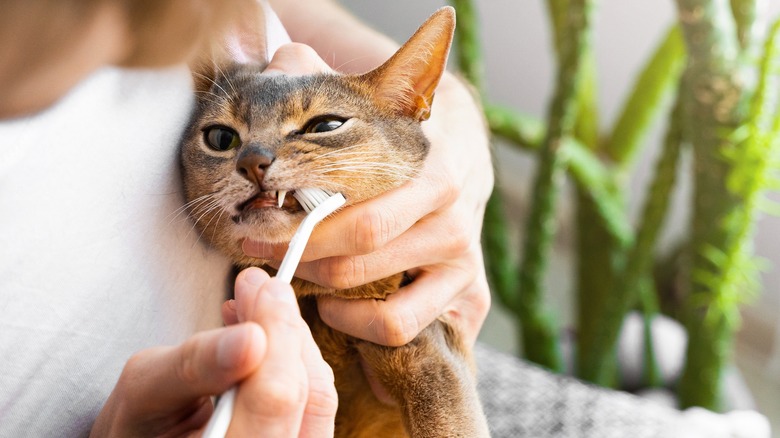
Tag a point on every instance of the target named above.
point(265, 231)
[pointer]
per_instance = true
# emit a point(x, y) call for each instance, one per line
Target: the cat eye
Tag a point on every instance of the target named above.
point(221, 138)
point(322, 124)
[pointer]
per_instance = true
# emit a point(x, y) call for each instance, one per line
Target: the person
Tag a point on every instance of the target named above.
point(111, 311)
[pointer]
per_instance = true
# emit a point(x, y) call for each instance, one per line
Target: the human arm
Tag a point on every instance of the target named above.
point(285, 388)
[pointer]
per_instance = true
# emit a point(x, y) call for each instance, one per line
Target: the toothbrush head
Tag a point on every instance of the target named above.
point(310, 198)
point(318, 204)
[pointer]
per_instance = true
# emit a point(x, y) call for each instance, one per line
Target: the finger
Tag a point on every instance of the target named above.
point(273, 398)
point(469, 310)
point(229, 316)
point(296, 59)
point(248, 284)
point(164, 379)
point(429, 242)
point(398, 319)
point(322, 402)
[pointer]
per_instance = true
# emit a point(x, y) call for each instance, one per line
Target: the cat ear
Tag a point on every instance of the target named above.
point(408, 79)
point(253, 39)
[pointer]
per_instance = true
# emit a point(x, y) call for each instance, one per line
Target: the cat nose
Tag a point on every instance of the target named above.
point(253, 162)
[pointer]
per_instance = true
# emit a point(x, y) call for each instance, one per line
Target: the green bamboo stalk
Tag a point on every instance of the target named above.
point(598, 184)
point(586, 129)
point(588, 172)
point(651, 371)
point(712, 99)
point(540, 334)
point(656, 83)
point(749, 19)
point(598, 238)
point(522, 131)
point(594, 365)
point(718, 293)
point(467, 43)
point(601, 256)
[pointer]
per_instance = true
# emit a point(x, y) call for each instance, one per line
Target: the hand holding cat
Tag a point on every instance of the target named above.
point(285, 388)
point(429, 227)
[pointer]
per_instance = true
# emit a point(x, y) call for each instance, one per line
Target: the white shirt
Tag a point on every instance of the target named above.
point(98, 259)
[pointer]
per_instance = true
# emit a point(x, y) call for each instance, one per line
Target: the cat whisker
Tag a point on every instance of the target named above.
point(205, 227)
point(396, 168)
point(227, 79)
point(192, 205)
point(345, 63)
point(220, 101)
point(212, 206)
point(362, 174)
point(227, 95)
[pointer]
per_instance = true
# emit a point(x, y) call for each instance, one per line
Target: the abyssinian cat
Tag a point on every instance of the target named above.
point(254, 136)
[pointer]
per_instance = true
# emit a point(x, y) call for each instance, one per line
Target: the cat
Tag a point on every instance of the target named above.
point(252, 138)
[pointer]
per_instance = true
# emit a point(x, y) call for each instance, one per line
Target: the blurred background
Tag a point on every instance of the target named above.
point(520, 73)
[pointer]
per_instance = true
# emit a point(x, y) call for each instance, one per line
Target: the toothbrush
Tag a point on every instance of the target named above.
point(318, 204)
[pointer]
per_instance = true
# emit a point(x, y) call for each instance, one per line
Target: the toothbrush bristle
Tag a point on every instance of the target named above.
point(310, 198)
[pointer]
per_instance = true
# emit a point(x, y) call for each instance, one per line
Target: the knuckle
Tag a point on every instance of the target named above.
point(278, 398)
point(459, 243)
point(480, 298)
point(398, 328)
point(372, 231)
point(448, 190)
point(138, 364)
point(342, 272)
point(186, 367)
point(135, 370)
point(323, 400)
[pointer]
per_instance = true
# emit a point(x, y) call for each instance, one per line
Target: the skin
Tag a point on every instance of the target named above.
point(286, 387)
point(429, 227)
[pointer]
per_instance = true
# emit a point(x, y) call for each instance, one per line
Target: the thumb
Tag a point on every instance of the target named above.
point(296, 59)
point(168, 378)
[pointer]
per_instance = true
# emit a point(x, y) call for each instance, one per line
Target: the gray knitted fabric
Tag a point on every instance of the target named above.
point(522, 400)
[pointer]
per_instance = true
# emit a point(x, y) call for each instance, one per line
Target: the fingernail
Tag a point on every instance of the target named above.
point(255, 277)
point(230, 349)
point(253, 248)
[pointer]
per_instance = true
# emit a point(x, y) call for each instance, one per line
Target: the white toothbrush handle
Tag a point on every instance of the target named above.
point(302, 234)
point(220, 420)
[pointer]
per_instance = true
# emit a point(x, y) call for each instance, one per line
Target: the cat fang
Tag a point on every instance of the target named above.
point(275, 199)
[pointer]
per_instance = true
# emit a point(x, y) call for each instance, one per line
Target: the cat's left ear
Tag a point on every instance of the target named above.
point(406, 82)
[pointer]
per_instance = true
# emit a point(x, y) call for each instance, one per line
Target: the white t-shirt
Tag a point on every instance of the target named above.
point(98, 259)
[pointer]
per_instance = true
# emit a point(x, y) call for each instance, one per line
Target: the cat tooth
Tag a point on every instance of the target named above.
point(280, 197)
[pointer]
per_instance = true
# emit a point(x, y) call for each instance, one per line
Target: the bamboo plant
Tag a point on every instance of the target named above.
point(720, 69)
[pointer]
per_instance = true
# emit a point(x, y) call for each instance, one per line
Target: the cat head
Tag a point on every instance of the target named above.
point(255, 138)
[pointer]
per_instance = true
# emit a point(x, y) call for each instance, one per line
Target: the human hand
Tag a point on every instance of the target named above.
point(429, 227)
point(285, 388)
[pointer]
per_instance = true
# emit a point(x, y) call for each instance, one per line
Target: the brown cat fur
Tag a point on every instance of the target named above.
point(377, 145)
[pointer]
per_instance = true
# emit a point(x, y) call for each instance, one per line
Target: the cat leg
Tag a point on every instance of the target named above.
point(432, 380)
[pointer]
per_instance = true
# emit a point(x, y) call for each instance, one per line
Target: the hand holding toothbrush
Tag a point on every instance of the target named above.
point(164, 390)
